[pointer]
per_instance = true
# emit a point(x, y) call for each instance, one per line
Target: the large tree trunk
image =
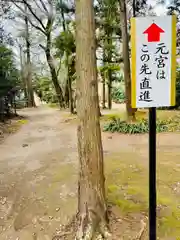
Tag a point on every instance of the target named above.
point(54, 77)
point(92, 207)
point(31, 102)
point(127, 70)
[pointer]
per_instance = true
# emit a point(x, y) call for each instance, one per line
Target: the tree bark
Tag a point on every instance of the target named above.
point(92, 209)
point(127, 70)
point(54, 77)
point(31, 102)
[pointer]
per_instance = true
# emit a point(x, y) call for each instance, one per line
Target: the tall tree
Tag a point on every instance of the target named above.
point(67, 56)
point(9, 74)
point(92, 207)
point(174, 8)
point(5, 13)
point(126, 60)
point(107, 22)
point(65, 51)
point(31, 102)
point(47, 9)
point(9, 80)
point(22, 65)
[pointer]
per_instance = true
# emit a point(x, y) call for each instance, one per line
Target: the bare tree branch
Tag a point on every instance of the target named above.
point(43, 47)
point(33, 13)
point(35, 26)
point(50, 15)
point(50, 2)
point(44, 6)
point(29, 20)
point(37, 4)
point(20, 8)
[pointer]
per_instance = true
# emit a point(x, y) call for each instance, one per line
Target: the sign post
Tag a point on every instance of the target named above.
point(153, 57)
point(152, 174)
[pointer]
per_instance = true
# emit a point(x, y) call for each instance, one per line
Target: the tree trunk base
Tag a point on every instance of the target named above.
point(79, 229)
point(95, 230)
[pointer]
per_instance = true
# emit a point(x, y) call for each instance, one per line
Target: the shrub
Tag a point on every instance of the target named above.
point(118, 95)
point(45, 90)
point(116, 125)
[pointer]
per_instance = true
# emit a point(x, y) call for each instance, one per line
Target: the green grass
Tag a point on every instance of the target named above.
point(22, 121)
point(127, 188)
point(53, 105)
point(15, 126)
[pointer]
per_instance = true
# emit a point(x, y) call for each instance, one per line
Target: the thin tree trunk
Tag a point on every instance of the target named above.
point(31, 102)
point(71, 108)
point(127, 71)
point(70, 68)
point(109, 88)
point(134, 8)
point(69, 85)
point(22, 76)
point(66, 96)
point(14, 105)
point(92, 207)
point(54, 77)
point(109, 73)
point(104, 94)
point(103, 75)
point(103, 91)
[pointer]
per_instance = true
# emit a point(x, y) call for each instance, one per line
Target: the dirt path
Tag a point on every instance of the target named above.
point(38, 172)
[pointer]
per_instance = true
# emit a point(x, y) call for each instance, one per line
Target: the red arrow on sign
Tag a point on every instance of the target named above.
point(153, 33)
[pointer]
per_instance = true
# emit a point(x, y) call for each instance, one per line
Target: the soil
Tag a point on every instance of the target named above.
point(38, 173)
point(38, 176)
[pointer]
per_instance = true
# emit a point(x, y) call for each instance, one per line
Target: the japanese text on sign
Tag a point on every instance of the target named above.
point(161, 59)
point(145, 72)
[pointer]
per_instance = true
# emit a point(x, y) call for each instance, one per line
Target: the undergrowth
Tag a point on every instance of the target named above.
point(141, 126)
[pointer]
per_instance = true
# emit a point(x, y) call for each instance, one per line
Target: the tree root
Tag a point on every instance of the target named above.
point(141, 232)
point(91, 233)
point(59, 236)
point(104, 231)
